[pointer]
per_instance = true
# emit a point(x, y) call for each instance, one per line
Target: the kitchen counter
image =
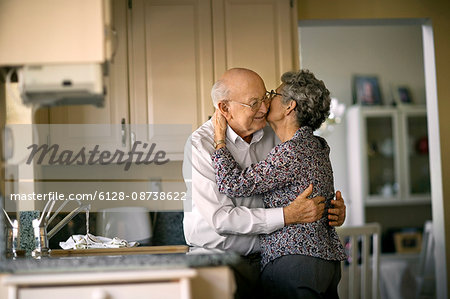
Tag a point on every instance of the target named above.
point(191, 259)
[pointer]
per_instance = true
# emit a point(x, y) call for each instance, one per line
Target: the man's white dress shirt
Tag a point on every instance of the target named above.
point(213, 220)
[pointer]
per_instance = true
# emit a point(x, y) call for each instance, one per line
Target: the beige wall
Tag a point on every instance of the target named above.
point(2, 124)
point(439, 13)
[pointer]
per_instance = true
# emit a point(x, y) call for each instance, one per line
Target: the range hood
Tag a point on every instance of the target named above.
point(54, 85)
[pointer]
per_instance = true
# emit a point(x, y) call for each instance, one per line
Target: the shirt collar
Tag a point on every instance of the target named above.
point(234, 137)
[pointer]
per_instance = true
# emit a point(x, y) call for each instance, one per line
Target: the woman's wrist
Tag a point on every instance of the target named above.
point(219, 143)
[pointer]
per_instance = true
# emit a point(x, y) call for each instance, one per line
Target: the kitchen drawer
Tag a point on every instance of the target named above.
point(163, 283)
point(154, 290)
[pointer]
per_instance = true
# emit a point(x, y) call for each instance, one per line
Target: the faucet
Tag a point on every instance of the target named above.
point(12, 236)
point(40, 225)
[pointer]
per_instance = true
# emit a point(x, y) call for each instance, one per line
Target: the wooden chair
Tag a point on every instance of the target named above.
point(360, 273)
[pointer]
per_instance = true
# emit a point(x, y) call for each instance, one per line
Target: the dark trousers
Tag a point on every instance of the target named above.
point(246, 275)
point(300, 276)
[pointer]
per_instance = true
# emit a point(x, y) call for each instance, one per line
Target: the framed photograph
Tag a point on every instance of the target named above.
point(366, 90)
point(401, 95)
point(408, 242)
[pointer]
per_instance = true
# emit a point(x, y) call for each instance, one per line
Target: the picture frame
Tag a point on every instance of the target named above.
point(366, 90)
point(408, 242)
point(401, 95)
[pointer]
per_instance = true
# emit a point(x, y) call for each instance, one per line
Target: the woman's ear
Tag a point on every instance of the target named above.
point(291, 107)
point(224, 109)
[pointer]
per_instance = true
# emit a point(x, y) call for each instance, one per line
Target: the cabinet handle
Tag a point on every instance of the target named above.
point(115, 43)
point(133, 138)
point(124, 133)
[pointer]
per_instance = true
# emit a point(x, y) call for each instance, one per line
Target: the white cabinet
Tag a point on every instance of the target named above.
point(388, 158)
point(184, 283)
point(178, 48)
point(164, 284)
point(47, 31)
point(170, 61)
point(164, 290)
point(171, 71)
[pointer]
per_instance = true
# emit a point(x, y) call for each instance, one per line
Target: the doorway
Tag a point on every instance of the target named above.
point(398, 53)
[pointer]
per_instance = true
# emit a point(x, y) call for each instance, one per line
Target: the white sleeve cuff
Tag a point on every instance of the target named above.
point(274, 219)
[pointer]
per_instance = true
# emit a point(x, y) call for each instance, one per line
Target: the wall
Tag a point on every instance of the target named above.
point(439, 13)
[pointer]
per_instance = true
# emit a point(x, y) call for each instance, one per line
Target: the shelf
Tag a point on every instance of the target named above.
point(372, 202)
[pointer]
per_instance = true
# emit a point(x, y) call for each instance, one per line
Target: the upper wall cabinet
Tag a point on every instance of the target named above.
point(171, 62)
point(169, 53)
point(48, 31)
point(180, 47)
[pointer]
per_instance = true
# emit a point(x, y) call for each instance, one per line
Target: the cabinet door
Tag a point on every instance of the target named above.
point(257, 34)
point(171, 62)
point(416, 157)
point(383, 156)
point(170, 71)
point(115, 110)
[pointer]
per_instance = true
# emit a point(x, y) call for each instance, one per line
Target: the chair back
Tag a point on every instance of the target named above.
point(360, 273)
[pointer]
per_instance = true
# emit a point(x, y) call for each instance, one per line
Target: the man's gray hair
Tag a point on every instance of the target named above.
point(312, 97)
point(219, 92)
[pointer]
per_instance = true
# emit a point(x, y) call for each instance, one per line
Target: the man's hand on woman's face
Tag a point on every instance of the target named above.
point(337, 214)
point(303, 209)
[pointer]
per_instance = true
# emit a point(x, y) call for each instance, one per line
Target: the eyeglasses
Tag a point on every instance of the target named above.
point(272, 94)
point(268, 96)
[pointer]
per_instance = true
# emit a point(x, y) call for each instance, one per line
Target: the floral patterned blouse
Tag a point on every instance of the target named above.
point(286, 172)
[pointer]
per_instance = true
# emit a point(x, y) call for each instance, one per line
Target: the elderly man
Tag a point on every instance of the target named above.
point(219, 222)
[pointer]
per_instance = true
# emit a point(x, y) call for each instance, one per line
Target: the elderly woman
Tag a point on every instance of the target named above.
point(301, 260)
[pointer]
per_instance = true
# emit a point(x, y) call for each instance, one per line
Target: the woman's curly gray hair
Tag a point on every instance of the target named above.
point(312, 97)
